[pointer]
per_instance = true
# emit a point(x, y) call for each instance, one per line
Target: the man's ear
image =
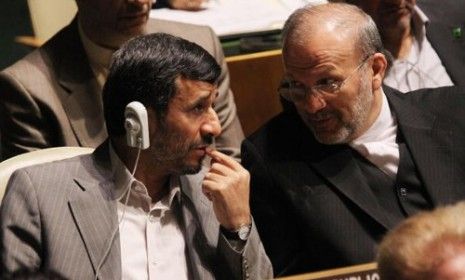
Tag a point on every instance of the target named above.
point(153, 121)
point(379, 67)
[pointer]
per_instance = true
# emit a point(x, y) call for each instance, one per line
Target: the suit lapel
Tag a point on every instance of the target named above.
point(337, 165)
point(200, 224)
point(430, 142)
point(449, 49)
point(81, 95)
point(95, 214)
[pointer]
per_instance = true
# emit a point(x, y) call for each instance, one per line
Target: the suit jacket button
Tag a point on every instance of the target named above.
point(402, 191)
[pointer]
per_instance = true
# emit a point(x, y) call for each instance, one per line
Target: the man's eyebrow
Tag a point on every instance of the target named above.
point(204, 97)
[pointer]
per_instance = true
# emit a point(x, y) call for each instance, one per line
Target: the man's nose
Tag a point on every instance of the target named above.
point(314, 103)
point(212, 125)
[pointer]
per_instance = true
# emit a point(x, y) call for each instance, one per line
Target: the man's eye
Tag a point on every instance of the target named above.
point(328, 85)
point(200, 108)
point(326, 82)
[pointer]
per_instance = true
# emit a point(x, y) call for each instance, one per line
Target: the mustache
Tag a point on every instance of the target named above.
point(206, 140)
point(321, 116)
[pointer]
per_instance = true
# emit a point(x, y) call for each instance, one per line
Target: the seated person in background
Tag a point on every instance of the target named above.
point(189, 5)
point(421, 38)
point(52, 97)
point(427, 246)
point(353, 159)
point(128, 213)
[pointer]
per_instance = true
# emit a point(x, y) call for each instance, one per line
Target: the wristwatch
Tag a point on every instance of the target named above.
point(242, 233)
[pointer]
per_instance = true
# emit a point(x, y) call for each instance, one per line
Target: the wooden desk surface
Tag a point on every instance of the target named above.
point(363, 271)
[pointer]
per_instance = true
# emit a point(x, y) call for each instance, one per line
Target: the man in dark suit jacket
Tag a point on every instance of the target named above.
point(352, 159)
point(52, 97)
point(129, 210)
point(426, 41)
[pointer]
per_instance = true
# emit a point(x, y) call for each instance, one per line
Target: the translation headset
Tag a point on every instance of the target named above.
point(136, 125)
point(137, 135)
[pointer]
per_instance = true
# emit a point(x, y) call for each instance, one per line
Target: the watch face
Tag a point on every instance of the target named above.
point(244, 232)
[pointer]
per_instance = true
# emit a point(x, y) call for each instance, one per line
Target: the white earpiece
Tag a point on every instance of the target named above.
point(136, 125)
point(137, 136)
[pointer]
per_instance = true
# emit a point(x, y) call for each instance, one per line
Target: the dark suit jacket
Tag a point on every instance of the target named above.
point(51, 97)
point(60, 216)
point(312, 206)
point(443, 19)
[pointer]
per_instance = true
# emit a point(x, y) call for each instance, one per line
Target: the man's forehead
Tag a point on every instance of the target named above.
point(186, 88)
point(302, 58)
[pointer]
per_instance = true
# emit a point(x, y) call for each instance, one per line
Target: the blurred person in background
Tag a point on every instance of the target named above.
point(188, 5)
point(426, 246)
point(52, 97)
point(426, 41)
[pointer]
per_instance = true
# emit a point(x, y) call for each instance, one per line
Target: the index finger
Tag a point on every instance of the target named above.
point(224, 159)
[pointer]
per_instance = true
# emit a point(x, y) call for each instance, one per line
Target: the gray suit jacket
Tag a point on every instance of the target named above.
point(51, 98)
point(59, 216)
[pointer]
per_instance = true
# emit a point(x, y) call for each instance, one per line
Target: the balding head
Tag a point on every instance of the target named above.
point(333, 70)
point(342, 20)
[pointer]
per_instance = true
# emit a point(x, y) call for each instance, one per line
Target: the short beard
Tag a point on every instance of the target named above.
point(360, 110)
point(171, 149)
point(193, 169)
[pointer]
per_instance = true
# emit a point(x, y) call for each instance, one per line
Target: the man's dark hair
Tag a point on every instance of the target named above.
point(145, 69)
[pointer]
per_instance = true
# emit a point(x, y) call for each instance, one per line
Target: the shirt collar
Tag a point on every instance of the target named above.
point(419, 22)
point(123, 179)
point(121, 175)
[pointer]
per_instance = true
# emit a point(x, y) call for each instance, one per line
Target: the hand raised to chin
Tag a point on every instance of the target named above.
point(226, 184)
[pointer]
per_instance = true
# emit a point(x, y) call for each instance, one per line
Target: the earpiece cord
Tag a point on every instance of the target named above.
point(113, 234)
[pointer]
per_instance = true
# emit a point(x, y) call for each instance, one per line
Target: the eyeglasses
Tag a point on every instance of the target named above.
point(296, 92)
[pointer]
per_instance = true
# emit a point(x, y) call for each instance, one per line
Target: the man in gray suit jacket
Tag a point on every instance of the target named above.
point(52, 97)
point(130, 210)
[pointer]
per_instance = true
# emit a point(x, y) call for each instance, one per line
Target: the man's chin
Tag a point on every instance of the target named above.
point(332, 138)
point(132, 29)
point(193, 167)
point(191, 170)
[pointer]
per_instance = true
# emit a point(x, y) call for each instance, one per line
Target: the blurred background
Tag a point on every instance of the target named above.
point(14, 20)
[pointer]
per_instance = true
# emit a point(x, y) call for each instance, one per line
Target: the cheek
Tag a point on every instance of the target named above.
point(187, 133)
point(344, 112)
point(344, 106)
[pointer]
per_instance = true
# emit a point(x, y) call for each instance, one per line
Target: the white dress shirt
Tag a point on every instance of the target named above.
point(378, 144)
point(152, 242)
